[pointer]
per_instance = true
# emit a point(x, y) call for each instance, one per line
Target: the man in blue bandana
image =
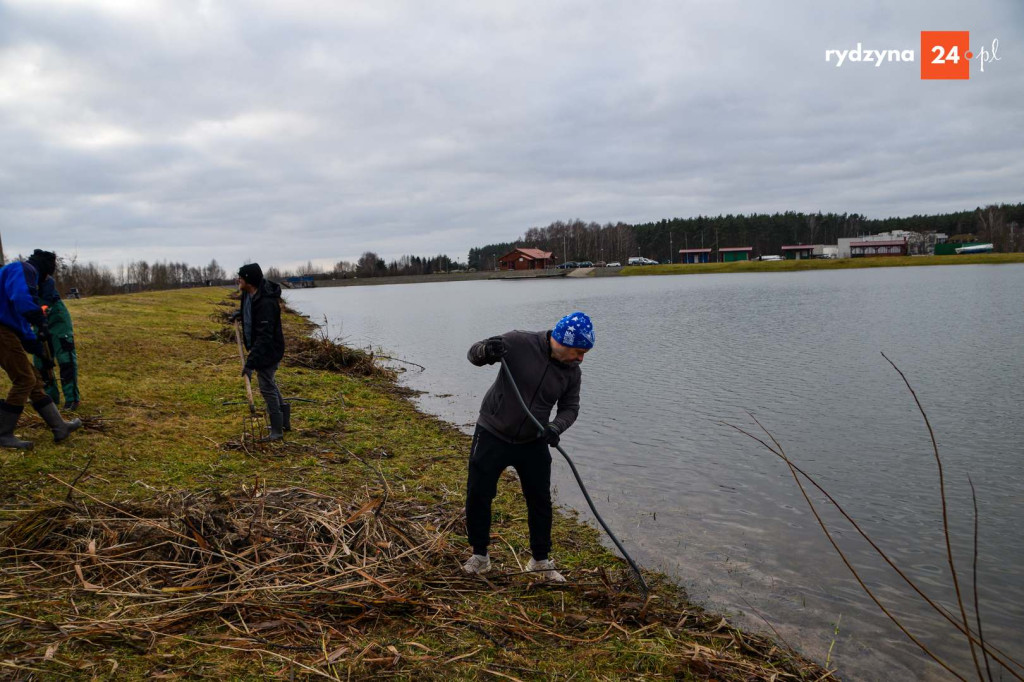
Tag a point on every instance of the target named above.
point(546, 368)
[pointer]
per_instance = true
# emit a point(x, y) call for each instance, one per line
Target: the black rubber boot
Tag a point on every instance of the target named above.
point(286, 412)
point(276, 428)
point(61, 429)
point(8, 420)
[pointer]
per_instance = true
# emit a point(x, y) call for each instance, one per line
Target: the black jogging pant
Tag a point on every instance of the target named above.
point(489, 456)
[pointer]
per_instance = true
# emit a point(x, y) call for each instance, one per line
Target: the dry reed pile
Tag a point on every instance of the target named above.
point(308, 346)
point(319, 352)
point(318, 583)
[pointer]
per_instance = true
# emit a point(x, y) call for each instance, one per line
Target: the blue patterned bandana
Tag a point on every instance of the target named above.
point(574, 330)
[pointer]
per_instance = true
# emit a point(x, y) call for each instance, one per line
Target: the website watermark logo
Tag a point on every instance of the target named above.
point(859, 54)
point(944, 55)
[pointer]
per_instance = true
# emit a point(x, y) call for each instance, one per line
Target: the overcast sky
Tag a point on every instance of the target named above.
point(286, 131)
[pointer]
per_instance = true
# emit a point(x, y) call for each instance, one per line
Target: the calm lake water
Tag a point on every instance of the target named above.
point(677, 356)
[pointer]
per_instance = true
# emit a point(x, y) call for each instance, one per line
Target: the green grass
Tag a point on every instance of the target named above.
point(153, 385)
point(824, 264)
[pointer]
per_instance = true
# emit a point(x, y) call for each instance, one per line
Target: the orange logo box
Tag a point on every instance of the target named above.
point(945, 55)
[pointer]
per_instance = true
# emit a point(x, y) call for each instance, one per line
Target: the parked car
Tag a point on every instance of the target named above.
point(584, 264)
point(666, 262)
point(771, 258)
point(566, 266)
point(640, 260)
point(600, 264)
point(614, 264)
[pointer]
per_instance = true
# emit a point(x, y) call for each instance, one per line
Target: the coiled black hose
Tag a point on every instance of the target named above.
point(632, 564)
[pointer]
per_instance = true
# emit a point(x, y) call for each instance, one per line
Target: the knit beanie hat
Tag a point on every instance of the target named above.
point(574, 330)
point(251, 273)
point(45, 263)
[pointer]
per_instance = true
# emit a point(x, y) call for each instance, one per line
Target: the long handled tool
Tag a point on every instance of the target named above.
point(46, 344)
point(632, 564)
point(254, 426)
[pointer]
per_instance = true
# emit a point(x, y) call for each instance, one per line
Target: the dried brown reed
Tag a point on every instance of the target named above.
point(319, 352)
point(304, 578)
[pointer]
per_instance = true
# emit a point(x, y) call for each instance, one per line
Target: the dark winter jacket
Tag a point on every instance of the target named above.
point(19, 309)
point(58, 319)
point(543, 382)
point(48, 294)
point(266, 347)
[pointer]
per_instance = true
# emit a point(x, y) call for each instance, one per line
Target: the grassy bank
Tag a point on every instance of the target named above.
point(815, 264)
point(154, 543)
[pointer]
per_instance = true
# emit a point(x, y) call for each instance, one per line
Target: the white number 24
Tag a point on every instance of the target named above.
point(953, 55)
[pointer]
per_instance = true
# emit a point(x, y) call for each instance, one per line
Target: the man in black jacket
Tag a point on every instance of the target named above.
point(261, 331)
point(546, 369)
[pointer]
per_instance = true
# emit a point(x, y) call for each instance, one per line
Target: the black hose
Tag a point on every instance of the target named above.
point(629, 559)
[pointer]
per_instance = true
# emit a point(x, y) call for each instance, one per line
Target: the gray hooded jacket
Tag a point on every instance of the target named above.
point(543, 382)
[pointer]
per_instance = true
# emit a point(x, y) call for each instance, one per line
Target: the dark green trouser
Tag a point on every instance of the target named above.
point(62, 348)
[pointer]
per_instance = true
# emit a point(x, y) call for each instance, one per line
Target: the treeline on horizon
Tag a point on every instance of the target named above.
point(91, 279)
point(577, 240)
point(372, 265)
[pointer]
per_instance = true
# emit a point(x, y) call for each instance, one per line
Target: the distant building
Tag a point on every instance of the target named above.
point(693, 256)
point(525, 259)
point(878, 247)
point(917, 242)
point(798, 251)
point(735, 253)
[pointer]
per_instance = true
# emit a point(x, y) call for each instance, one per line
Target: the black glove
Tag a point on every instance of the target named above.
point(247, 372)
point(235, 316)
point(551, 435)
point(32, 346)
point(36, 317)
point(494, 349)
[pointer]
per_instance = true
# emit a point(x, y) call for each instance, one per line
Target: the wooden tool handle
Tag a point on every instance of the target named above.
point(241, 356)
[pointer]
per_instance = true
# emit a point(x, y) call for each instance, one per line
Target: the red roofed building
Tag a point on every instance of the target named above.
point(889, 247)
point(524, 259)
point(695, 255)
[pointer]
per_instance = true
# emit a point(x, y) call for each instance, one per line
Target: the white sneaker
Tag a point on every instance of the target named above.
point(545, 570)
point(477, 564)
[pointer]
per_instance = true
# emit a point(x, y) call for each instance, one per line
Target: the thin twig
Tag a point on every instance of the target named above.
point(974, 571)
point(992, 650)
point(842, 555)
point(945, 515)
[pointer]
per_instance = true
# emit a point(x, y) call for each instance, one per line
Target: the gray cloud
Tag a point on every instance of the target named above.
point(317, 130)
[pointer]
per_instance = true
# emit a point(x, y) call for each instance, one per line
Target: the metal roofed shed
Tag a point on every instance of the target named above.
point(732, 254)
point(798, 251)
point(693, 256)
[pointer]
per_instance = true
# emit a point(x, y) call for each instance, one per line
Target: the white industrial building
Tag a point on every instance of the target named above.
point(916, 241)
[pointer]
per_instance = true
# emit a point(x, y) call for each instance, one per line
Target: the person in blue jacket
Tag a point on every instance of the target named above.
point(19, 312)
point(61, 346)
